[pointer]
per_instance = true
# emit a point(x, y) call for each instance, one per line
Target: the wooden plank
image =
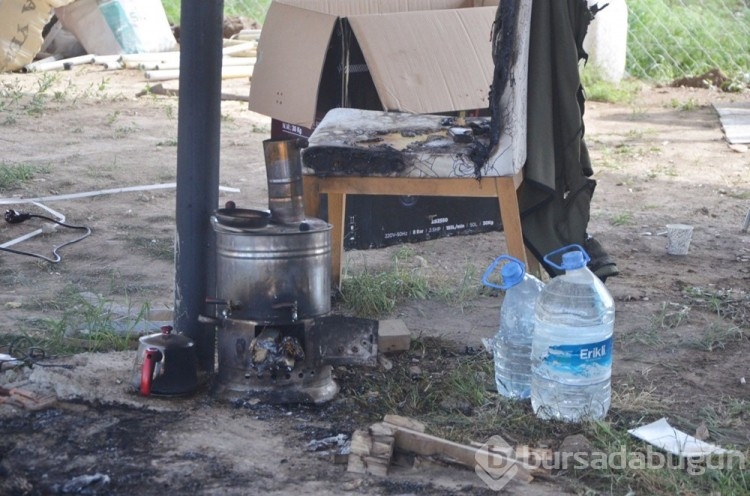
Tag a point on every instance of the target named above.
point(423, 186)
point(427, 445)
point(407, 422)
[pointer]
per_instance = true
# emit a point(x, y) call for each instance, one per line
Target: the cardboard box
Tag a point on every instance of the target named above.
point(419, 56)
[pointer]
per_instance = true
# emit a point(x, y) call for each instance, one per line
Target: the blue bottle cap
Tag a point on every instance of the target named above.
point(512, 273)
point(573, 260)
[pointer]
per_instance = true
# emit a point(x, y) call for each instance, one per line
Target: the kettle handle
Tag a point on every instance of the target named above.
point(152, 356)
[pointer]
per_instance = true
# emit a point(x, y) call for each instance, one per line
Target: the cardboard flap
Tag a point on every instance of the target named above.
point(429, 61)
point(286, 90)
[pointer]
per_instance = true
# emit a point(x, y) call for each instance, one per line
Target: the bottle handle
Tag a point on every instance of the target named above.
point(493, 266)
point(566, 249)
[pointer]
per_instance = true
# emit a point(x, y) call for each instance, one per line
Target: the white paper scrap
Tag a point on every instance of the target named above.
point(664, 436)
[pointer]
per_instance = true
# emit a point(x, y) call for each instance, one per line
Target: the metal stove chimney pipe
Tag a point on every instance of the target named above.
point(284, 175)
point(198, 143)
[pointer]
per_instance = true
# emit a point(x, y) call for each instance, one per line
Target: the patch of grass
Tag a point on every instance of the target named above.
point(255, 10)
point(668, 40)
point(158, 248)
point(650, 336)
point(599, 90)
point(626, 397)
point(622, 219)
point(671, 316)
point(727, 304)
point(717, 337)
point(260, 129)
point(112, 117)
point(169, 111)
point(684, 106)
point(14, 175)
point(83, 325)
point(454, 395)
point(16, 99)
point(124, 131)
point(373, 294)
point(633, 467)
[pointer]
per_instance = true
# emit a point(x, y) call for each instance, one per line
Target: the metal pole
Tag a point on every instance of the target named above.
point(198, 140)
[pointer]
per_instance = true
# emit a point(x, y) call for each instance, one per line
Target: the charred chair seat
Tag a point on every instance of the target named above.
point(363, 152)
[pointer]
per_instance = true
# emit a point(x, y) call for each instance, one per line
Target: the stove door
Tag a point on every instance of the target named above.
point(338, 340)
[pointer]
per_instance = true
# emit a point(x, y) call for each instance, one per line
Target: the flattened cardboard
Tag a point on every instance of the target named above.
point(435, 59)
point(289, 64)
point(429, 62)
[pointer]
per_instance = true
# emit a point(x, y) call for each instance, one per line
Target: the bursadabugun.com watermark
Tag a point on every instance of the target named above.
point(498, 463)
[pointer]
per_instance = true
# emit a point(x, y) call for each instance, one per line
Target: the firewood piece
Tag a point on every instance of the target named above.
point(427, 445)
point(401, 421)
point(393, 335)
point(382, 429)
point(376, 466)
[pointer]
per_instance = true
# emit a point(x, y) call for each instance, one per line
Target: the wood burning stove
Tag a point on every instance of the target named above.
point(277, 339)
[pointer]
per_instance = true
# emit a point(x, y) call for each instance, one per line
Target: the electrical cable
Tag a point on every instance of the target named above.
point(32, 355)
point(13, 217)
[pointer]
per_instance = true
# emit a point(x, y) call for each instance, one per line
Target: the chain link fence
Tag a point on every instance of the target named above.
point(667, 39)
point(671, 39)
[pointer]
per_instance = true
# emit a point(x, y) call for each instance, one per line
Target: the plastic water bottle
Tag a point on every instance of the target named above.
point(571, 355)
point(512, 344)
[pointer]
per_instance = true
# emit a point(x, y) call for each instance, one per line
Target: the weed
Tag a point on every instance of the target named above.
point(732, 305)
point(103, 84)
point(686, 106)
point(648, 337)
point(169, 142)
point(158, 248)
point(13, 175)
point(45, 81)
point(622, 219)
point(716, 337)
point(124, 131)
point(598, 90)
point(672, 315)
point(259, 129)
point(86, 324)
point(169, 111)
point(112, 117)
point(371, 294)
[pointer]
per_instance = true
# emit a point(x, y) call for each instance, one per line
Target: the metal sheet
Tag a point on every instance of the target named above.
point(340, 340)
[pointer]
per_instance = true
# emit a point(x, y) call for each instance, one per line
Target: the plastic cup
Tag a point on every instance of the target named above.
point(678, 238)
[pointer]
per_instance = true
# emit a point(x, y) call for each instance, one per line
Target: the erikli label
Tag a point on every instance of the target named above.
point(577, 358)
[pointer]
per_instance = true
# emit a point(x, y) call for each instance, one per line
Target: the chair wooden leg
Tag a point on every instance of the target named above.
point(336, 206)
point(511, 217)
point(533, 266)
point(311, 196)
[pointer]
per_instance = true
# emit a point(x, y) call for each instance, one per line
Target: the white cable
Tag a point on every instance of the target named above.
point(14, 201)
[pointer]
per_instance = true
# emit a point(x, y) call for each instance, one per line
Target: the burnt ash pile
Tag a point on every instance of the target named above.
point(81, 449)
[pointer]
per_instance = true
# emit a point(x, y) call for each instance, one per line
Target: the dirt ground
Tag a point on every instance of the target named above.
point(681, 332)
